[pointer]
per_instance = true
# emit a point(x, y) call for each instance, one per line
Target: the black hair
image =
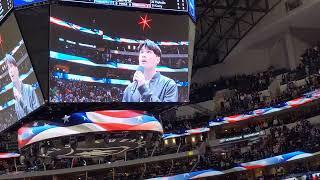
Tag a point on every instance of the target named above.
point(150, 45)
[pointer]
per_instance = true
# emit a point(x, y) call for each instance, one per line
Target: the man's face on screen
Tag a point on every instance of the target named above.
point(147, 58)
point(13, 72)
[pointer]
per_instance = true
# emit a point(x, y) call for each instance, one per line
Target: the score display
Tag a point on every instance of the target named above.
point(6, 6)
point(174, 5)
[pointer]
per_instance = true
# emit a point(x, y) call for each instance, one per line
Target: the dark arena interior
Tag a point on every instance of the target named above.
point(159, 89)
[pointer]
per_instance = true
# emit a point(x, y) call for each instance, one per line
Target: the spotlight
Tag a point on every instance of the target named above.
point(166, 142)
point(193, 139)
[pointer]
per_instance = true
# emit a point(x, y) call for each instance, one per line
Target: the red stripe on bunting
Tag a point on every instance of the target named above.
point(124, 127)
point(253, 167)
point(121, 113)
point(22, 143)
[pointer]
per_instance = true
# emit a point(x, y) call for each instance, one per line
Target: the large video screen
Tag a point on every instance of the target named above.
point(20, 93)
point(19, 3)
point(99, 55)
point(175, 5)
point(6, 6)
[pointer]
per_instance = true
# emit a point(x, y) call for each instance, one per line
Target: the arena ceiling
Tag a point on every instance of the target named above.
point(221, 24)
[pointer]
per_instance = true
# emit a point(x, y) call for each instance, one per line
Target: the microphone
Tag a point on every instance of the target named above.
point(141, 69)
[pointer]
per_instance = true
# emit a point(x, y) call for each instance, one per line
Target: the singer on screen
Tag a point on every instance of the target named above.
point(149, 85)
point(25, 96)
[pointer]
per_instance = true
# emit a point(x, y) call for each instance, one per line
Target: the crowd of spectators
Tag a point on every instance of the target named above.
point(247, 90)
point(268, 122)
point(301, 137)
point(282, 138)
point(173, 125)
point(254, 83)
point(303, 171)
point(76, 91)
point(242, 102)
point(173, 56)
point(169, 60)
point(246, 84)
point(98, 73)
point(165, 49)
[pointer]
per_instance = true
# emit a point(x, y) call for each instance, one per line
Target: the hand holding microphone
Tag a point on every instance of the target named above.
point(138, 77)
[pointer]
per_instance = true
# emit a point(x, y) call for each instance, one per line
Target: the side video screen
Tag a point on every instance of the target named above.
point(5, 7)
point(20, 93)
point(99, 55)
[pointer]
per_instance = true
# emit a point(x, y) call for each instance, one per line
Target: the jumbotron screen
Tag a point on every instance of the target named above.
point(19, 3)
point(20, 93)
point(5, 7)
point(103, 55)
point(175, 5)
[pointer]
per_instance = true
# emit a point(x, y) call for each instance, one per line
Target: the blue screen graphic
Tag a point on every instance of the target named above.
point(192, 10)
point(19, 3)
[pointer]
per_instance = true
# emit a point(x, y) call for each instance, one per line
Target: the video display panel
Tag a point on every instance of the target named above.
point(5, 7)
point(20, 93)
point(192, 10)
point(175, 5)
point(19, 3)
point(99, 55)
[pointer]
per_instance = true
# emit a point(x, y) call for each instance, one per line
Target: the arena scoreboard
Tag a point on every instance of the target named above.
point(184, 6)
point(175, 5)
